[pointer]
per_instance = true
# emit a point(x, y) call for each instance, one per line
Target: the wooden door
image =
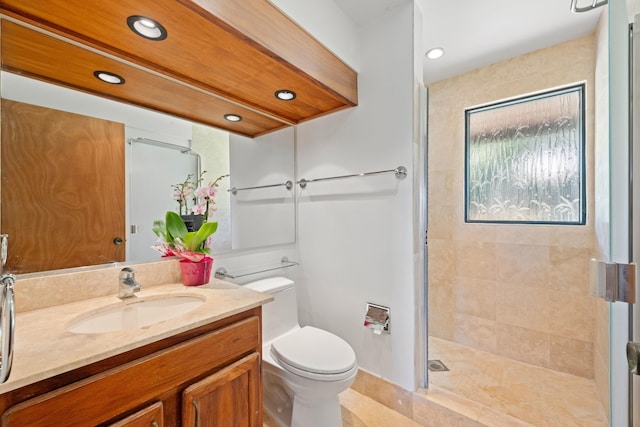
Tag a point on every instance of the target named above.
point(63, 191)
point(231, 397)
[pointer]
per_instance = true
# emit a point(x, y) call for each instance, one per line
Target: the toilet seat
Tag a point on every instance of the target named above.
point(315, 354)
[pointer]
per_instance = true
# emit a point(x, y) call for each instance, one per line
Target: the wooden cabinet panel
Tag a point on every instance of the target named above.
point(230, 397)
point(151, 416)
point(243, 51)
point(30, 53)
point(106, 396)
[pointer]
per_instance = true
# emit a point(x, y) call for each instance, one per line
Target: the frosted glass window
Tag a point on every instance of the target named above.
point(525, 160)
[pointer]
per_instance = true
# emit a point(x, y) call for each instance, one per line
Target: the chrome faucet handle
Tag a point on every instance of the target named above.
point(127, 283)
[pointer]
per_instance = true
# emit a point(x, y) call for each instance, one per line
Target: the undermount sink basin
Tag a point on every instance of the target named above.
point(135, 313)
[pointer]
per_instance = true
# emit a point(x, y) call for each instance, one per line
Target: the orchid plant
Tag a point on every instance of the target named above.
point(175, 239)
point(202, 196)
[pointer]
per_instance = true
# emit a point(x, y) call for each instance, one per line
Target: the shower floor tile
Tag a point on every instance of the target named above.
point(538, 396)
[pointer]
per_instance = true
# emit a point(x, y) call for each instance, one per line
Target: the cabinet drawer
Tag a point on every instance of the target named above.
point(151, 416)
point(106, 396)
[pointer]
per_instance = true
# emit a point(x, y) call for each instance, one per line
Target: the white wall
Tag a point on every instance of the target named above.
point(325, 21)
point(262, 217)
point(356, 235)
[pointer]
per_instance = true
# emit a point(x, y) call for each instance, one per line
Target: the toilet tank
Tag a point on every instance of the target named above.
point(280, 315)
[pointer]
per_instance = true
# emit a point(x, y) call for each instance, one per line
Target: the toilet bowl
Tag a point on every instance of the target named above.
point(304, 368)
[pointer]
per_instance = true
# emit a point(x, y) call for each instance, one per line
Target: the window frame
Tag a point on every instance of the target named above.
point(581, 128)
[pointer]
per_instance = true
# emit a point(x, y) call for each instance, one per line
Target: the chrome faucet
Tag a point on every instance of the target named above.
point(127, 283)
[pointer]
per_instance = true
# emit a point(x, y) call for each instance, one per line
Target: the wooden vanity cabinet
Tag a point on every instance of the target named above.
point(212, 379)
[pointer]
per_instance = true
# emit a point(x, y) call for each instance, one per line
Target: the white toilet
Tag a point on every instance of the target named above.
point(304, 369)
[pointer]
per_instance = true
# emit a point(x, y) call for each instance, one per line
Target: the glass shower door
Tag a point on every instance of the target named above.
point(634, 311)
point(624, 200)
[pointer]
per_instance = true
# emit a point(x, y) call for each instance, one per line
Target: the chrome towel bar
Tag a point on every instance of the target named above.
point(287, 184)
point(222, 273)
point(400, 172)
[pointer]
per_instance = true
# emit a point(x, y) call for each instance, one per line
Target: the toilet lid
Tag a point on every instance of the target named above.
point(314, 350)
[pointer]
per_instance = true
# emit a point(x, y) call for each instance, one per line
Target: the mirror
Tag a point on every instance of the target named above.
point(161, 151)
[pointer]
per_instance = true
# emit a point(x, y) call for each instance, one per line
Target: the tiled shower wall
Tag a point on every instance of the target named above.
point(520, 291)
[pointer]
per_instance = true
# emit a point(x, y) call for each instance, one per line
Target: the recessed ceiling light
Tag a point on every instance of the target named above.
point(108, 77)
point(285, 95)
point(435, 53)
point(146, 27)
point(233, 117)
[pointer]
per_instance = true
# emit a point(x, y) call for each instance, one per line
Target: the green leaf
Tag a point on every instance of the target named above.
point(160, 229)
point(207, 229)
point(175, 226)
point(190, 241)
point(193, 240)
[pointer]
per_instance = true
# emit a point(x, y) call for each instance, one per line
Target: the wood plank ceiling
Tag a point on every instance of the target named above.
point(220, 57)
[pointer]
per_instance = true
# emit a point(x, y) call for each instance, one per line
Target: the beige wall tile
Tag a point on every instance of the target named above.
point(569, 270)
point(522, 264)
point(361, 411)
point(571, 314)
point(431, 414)
point(471, 232)
point(441, 186)
point(358, 383)
point(440, 257)
point(441, 309)
point(389, 394)
point(475, 297)
point(441, 222)
point(602, 330)
point(575, 236)
point(521, 305)
point(475, 259)
point(601, 380)
point(523, 234)
point(440, 288)
point(571, 356)
point(475, 332)
point(525, 345)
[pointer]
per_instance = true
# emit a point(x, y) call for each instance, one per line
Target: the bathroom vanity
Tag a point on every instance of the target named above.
point(199, 368)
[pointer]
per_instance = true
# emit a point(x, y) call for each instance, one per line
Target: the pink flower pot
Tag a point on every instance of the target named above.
point(196, 273)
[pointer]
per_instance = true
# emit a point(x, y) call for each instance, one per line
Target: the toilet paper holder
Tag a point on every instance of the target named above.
point(377, 318)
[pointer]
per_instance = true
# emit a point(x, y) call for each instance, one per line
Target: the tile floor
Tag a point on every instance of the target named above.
point(361, 411)
point(538, 396)
point(483, 389)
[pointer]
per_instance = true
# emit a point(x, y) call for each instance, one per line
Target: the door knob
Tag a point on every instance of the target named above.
point(633, 357)
point(118, 241)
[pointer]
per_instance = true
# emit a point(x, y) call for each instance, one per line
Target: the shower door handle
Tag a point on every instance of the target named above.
point(633, 357)
point(613, 281)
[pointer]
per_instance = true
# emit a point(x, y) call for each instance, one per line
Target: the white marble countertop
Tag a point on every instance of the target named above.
point(45, 348)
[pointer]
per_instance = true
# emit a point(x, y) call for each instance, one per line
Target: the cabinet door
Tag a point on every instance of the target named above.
point(231, 397)
point(151, 416)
